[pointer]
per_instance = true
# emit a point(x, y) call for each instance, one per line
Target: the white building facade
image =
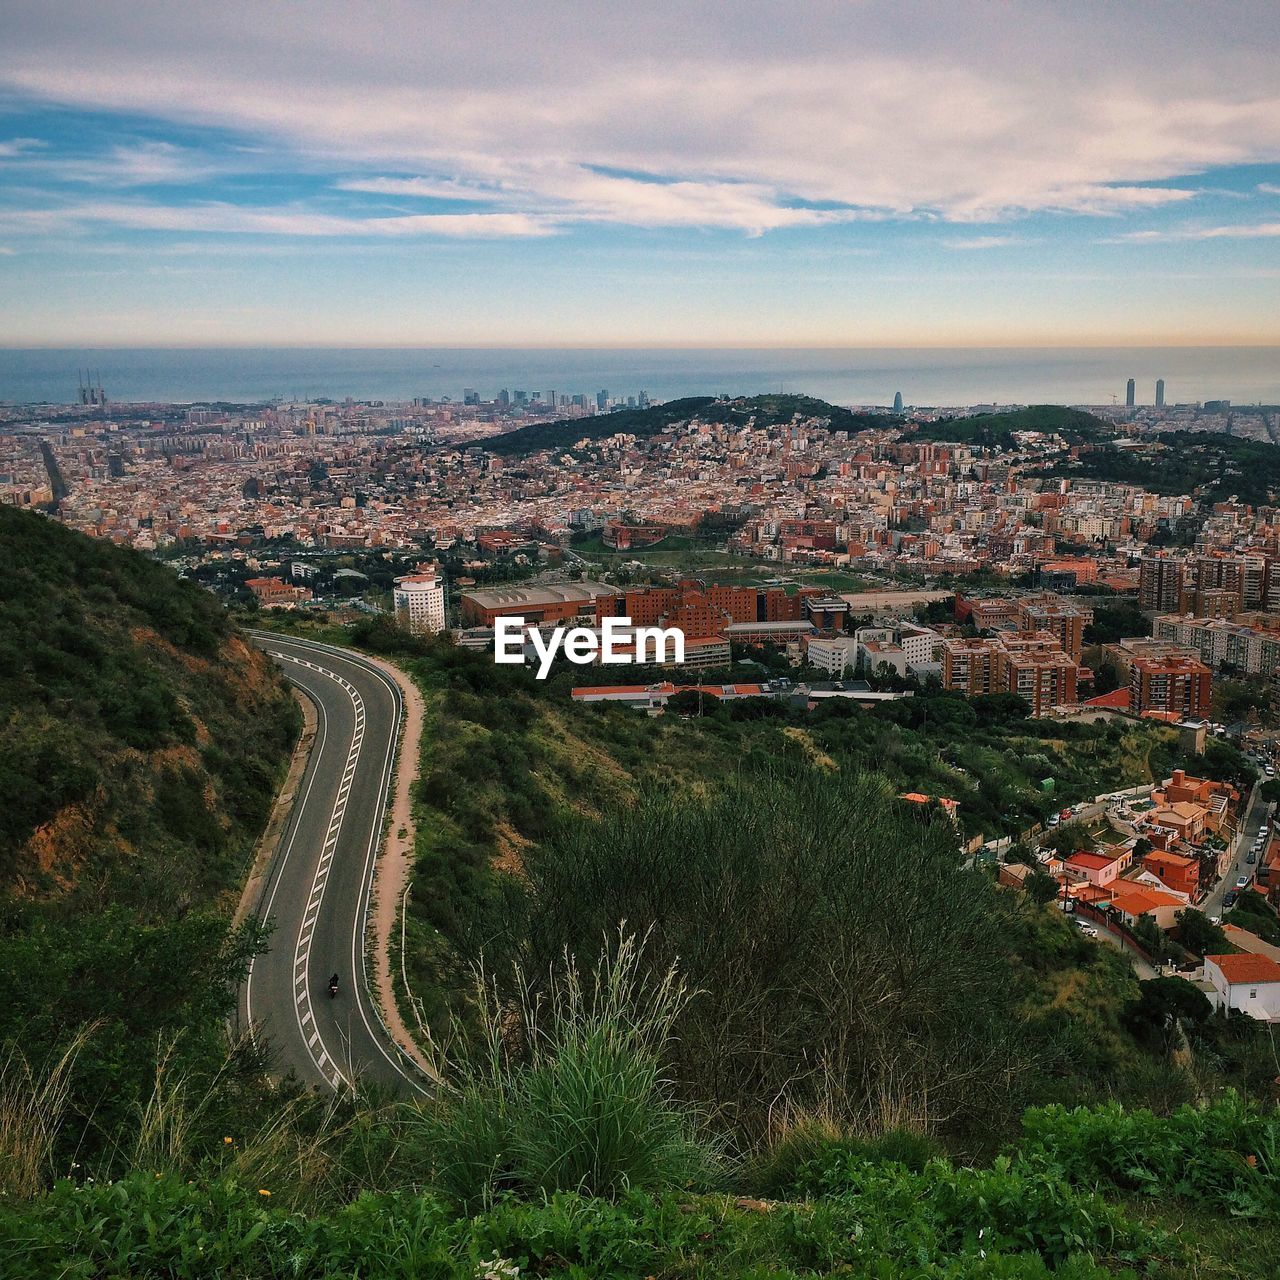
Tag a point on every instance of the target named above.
point(419, 602)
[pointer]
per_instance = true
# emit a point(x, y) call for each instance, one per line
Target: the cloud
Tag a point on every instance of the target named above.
point(984, 242)
point(573, 193)
point(6, 252)
point(863, 111)
point(228, 219)
point(1269, 188)
point(14, 147)
point(1244, 231)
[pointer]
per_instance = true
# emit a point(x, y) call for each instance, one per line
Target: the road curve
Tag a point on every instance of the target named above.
point(318, 888)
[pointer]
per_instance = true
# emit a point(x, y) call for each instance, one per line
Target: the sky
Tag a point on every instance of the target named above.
point(860, 173)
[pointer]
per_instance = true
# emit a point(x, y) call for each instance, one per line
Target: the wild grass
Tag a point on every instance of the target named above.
point(33, 1104)
point(568, 1091)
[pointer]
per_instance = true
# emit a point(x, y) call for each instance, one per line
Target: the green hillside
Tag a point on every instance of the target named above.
point(1212, 467)
point(766, 409)
point(143, 736)
point(141, 744)
point(995, 430)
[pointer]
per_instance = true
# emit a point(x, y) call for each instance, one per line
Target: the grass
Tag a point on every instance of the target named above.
point(33, 1105)
point(567, 1092)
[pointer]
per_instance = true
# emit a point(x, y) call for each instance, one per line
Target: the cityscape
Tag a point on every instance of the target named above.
point(639, 644)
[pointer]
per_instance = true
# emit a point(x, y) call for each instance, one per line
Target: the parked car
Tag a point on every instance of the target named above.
point(1252, 858)
point(1230, 900)
point(1087, 929)
point(1242, 882)
point(1053, 820)
point(1065, 814)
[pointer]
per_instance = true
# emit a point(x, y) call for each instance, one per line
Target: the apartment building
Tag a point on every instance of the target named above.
point(1244, 644)
point(1066, 622)
point(969, 666)
point(419, 601)
point(1175, 686)
point(1160, 579)
point(1044, 678)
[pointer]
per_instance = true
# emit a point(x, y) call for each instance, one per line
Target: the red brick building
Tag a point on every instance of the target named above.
point(1173, 685)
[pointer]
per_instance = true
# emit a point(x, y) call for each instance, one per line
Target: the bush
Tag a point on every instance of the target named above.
point(1225, 1153)
point(567, 1092)
point(843, 956)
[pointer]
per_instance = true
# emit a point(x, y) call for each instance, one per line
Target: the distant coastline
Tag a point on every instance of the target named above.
point(924, 376)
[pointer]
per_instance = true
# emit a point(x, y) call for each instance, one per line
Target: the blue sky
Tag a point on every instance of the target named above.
point(844, 174)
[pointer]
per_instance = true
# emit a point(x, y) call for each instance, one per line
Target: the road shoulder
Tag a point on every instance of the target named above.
point(395, 863)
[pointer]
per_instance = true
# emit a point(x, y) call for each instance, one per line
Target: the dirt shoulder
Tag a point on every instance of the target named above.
point(394, 866)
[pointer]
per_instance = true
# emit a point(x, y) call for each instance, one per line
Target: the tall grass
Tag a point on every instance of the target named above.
point(32, 1107)
point(568, 1091)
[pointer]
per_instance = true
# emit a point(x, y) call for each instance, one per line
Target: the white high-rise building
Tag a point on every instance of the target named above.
point(419, 601)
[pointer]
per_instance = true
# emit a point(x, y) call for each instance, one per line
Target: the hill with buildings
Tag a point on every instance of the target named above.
point(996, 430)
point(1209, 466)
point(766, 410)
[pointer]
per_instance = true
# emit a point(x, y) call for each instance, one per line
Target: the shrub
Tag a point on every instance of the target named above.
point(567, 1092)
point(1225, 1153)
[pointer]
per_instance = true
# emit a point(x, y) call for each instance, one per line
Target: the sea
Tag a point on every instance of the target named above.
point(859, 376)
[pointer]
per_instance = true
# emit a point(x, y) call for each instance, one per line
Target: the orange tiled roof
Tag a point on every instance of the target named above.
point(1239, 969)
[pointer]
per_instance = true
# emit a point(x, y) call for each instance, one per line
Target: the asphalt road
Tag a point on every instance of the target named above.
point(317, 890)
point(1254, 815)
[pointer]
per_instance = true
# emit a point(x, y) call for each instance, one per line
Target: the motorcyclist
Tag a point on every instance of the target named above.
point(333, 985)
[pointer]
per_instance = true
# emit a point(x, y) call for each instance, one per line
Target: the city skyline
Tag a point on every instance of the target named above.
point(381, 174)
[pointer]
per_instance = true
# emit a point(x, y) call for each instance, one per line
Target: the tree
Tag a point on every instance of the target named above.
point(1041, 887)
point(1162, 1005)
point(1152, 937)
point(1198, 934)
point(1270, 790)
point(1000, 708)
point(690, 702)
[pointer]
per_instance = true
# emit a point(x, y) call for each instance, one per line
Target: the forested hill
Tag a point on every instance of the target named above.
point(767, 410)
point(995, 430)
point(142, 737)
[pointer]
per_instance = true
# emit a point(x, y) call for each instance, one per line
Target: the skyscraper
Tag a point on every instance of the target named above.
point(897, 402)
point(1159, 393)
point(1129, 391)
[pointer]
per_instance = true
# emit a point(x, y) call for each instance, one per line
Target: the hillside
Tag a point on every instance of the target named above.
point(1211, 467)
point(995, 430)
point(771, 410)
point(143, 736)
point(142, 743)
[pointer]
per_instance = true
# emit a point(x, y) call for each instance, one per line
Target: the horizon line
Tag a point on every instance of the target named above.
point(1095, 345)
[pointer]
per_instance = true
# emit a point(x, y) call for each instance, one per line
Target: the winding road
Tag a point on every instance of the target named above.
point(318, 889)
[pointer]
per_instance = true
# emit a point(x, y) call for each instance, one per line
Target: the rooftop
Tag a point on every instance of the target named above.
point(1241, 969)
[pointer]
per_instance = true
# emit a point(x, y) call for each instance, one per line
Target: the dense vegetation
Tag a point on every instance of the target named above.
point(142, 736)
point(142, 743)
point(767, 410)
point(995, 430)
point(562, 1153)
point(1210, 466)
